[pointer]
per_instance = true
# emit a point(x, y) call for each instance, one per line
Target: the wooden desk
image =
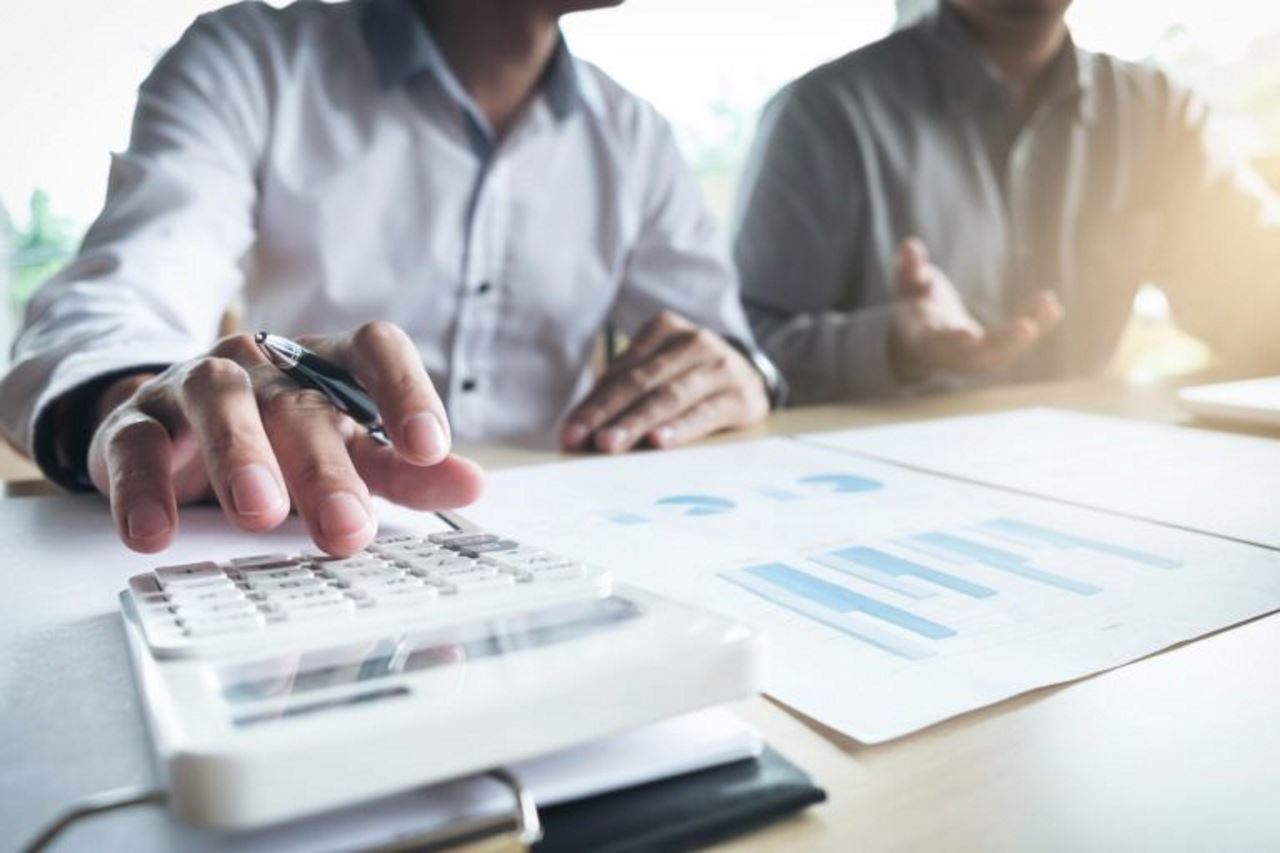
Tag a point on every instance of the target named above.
point(14, 467)
point(1179, 751)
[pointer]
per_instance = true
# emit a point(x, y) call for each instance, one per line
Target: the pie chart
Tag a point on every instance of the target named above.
point(843, 482)
point(698, 504)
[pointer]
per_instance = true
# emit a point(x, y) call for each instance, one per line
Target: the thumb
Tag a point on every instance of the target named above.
point(914, 279)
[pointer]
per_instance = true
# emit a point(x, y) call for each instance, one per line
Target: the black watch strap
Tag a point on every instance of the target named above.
point(775, 384)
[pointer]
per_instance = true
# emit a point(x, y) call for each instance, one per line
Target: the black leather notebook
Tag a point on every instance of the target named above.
point(683, 812)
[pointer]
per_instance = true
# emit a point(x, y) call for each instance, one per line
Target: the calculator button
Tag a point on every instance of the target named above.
point(315, 555)
point(318, 609)
point(252, 576)
point(377, 573)
point(194, 582)
point(403, 595)
point(444, 562)
point(400, 580)
point(353, 563)
point(155, 614)
point(478, 580)
point(318, 593)
point(408, 549)
point(525, 560)
point(488, 548)
point(270, 585)
point(566, 571)
point(269, 569)
point(210, 609)
point(192, 571)
point(205, 595)
point(262, 560)
point(230, 624)
point(461, 538)
point(394, 539)
point(474, 570)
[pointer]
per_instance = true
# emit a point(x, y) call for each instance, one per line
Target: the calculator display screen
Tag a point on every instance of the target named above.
point(303, 683)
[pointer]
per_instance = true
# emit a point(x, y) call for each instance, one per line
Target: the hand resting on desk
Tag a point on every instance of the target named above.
point(675, 383)
point(232, 426)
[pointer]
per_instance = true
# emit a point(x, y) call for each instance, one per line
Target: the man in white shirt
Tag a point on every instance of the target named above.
point(446, 201)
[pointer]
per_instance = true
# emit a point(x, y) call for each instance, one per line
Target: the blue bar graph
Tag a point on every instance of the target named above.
point(842, 600)
point(1035, 533)
point(885, 638)
point(901, 584)
point(887, 563)
point(1005, 561)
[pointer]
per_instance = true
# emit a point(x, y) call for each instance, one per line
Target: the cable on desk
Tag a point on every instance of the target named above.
point(95, 804)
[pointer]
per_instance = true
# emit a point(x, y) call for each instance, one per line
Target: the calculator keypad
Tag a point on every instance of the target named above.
point(183, 605)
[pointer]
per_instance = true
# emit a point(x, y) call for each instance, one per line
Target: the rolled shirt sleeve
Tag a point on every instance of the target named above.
point(160, 265)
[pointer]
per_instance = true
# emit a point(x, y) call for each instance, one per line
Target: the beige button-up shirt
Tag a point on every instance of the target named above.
point(1114, 179)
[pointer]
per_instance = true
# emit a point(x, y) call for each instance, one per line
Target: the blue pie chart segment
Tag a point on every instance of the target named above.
point(698, 504)
point(843, 482)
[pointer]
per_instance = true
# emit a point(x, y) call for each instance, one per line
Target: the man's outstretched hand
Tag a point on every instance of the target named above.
point(231, 426)
point(933, 331)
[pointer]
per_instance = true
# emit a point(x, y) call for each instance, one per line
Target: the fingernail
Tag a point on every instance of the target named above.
point(425, 436)
point(147, 520)
point(664, 435)
point(575, 434)
point(614, 437)
point(254, 491)
point(341, 514)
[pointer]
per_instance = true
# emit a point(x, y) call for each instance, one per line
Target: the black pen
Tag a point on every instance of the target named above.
point(339, 387)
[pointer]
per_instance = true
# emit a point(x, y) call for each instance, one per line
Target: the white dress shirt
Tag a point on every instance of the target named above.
point(324, 162)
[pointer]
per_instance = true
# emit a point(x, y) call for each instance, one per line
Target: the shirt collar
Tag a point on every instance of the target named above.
point(403, 48)
point(965, 74)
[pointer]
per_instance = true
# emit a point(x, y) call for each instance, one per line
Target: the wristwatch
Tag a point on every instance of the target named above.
point(775, 384)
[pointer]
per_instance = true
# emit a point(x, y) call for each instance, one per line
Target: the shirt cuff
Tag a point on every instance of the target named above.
point(38, 388)
point(835, 356)
point(64, 426)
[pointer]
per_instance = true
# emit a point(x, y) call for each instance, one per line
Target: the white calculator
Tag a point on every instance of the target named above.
point(280, 685)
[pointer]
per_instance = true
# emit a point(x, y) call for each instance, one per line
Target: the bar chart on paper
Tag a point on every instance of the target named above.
point(892, 598)
point(897, 630)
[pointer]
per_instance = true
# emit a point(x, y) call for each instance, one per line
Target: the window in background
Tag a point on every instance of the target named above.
point(710, 66)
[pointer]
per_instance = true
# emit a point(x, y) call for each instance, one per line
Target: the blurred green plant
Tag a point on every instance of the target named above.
point(35, 252)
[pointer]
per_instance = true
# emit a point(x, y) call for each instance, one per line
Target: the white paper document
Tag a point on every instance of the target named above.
point(1198, 479)
point(892, 599)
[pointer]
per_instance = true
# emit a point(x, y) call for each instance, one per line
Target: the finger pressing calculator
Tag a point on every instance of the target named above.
point(279, 685)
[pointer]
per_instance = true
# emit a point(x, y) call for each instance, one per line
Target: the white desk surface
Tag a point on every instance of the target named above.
point(1180, 751)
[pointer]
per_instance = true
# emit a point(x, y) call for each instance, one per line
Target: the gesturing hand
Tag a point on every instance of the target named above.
point(932, 329)
point(676, 382)
point(230, 425)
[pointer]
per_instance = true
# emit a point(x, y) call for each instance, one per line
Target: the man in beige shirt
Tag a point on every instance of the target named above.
point(975, 199)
